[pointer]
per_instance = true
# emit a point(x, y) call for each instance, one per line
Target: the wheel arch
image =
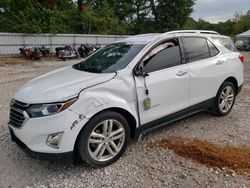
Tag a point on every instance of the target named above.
point(234, 81)
point(128, 116)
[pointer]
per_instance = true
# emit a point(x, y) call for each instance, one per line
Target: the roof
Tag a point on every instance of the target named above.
point(146, 38)
point(141, 39)
point(245, 34)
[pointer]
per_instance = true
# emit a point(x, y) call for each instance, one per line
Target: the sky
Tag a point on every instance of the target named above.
point(215, 11)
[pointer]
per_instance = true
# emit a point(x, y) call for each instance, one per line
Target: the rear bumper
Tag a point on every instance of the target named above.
point(61, 158)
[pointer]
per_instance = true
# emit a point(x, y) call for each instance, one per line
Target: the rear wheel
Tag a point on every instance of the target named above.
point(225, 99)
point(104, 139)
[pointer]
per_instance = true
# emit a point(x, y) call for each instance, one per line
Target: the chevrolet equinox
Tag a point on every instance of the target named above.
point(93, 108)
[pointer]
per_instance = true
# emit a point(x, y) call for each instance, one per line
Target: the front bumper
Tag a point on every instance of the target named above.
point(62, 158)
point(32, 136)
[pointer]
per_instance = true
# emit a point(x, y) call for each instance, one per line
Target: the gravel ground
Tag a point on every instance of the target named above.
point(141, 165)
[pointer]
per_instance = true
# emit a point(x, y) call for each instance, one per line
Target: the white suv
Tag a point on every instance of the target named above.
point(93, 108)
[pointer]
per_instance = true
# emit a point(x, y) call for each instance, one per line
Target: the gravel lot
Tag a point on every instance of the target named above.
point(141, 166)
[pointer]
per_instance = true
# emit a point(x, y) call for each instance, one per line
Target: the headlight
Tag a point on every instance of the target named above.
point(40, 110)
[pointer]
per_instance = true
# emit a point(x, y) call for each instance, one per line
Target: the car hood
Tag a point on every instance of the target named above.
point(59, 85)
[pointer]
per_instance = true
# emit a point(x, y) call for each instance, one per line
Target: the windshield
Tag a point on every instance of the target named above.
point(111, 58)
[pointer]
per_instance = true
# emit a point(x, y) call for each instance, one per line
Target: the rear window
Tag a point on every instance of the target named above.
point(226, 42)
point(196, 48)
point(213, 50)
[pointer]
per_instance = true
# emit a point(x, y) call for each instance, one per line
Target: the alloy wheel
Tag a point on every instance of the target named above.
point(106, 140)
point(226, 99)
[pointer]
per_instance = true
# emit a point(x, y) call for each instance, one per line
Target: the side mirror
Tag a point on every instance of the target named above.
point(139, 71)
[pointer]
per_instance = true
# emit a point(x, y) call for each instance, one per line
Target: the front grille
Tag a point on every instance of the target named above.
point(16, 113)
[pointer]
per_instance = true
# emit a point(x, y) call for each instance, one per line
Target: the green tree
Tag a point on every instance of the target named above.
point(243, 24)
point(173, 14)
point(88, 16)
point(190, 24)
point(35, 16)
point(99, 18)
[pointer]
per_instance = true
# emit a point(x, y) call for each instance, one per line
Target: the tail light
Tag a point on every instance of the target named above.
point(242, 58)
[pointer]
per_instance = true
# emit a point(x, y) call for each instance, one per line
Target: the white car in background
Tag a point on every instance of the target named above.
point(92, 109)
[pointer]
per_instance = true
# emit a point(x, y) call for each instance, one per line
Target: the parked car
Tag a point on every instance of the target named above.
point(45, 51)
point(87, 50)
point(93, 108)
point(242, 45)
point(33, 53)
point(59, 49)
point(68, 52)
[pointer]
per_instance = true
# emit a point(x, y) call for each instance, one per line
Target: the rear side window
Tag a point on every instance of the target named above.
point(196, 48)
point(213, 50)
point(226, 42)
point(163, 56)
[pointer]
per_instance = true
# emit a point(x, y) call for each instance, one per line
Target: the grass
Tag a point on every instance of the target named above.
point(13, 61)
point(23, 61)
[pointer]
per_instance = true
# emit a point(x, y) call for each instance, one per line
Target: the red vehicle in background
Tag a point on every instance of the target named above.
point(28, 53)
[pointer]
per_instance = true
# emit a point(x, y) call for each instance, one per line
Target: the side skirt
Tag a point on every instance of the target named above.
point(145, 128)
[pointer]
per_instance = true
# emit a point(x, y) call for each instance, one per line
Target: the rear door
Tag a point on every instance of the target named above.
point(205, 67)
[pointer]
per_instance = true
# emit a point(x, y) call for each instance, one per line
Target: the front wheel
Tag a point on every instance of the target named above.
point(225, 99)
point(103, 139)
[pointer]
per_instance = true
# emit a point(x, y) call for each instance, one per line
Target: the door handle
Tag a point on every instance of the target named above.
point(219, 62)
point(181, 73)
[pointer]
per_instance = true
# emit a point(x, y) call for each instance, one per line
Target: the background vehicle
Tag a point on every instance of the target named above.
point(68, 52)
point(242, 45)
point(59, 49)
point(33, 53)
point(86, 50)
point(93, 108)
point(45, 51)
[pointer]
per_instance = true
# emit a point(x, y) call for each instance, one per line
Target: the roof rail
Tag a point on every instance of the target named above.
point(146, 34)
point(191, 31)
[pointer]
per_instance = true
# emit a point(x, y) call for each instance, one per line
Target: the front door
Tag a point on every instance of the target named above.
point(167, 82)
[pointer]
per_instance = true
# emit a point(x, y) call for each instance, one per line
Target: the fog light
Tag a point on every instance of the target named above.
point(54, 140)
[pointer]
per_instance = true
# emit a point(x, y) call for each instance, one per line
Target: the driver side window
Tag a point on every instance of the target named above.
point(163, 56)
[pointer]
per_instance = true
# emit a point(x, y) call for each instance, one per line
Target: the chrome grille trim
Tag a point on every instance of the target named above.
point(16, 119)
point(21, 104)
point(17, 110)
point(17, 113)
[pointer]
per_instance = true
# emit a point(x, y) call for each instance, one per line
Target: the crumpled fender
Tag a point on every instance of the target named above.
point(95, 102)
point(116, 93)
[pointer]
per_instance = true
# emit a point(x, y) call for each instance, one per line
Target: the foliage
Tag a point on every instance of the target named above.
point(34, 16)
point(108, 17)
point(231, 27)
point(100, 17)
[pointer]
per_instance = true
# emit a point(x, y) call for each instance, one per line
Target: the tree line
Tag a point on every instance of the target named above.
point(240, 23)
point(108, 17)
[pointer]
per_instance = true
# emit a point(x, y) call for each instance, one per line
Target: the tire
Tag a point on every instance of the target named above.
point(226, 93)
point(77, 55)
point(95, 144)
point(83, 55)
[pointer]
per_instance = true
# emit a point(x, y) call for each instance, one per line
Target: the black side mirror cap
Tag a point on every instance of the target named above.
point(140, 72)
point(145, 74)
